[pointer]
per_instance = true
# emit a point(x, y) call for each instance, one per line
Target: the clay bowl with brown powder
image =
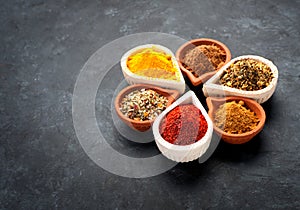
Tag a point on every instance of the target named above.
point(140, 125)
point(200, 59)
point(215, 103)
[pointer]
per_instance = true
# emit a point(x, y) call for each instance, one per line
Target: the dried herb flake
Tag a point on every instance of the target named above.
point(144, 104)
point(247, 74)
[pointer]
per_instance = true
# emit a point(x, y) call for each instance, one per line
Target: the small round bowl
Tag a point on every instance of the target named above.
point(194, 43)
point(214, 103)
point(183, 153)
point(214, 89)
point(142, 126)
point(133, 78)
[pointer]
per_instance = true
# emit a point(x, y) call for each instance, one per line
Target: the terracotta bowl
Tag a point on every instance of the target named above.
point(214, 103)
point(172, 95)
point(190, 45)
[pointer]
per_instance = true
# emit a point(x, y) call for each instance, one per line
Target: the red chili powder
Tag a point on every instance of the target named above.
point(183, 125)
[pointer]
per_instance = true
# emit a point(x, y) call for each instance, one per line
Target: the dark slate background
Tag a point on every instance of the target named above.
point(44, 44)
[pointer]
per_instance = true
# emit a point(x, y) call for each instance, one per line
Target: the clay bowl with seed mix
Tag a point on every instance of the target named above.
point(186, 47)
point(142, 126)
point(214, 103)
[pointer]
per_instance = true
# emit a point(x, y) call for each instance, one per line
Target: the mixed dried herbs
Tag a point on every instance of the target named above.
point(144, 104)
point(247, 74)
point(235, 118)
point(203, 59)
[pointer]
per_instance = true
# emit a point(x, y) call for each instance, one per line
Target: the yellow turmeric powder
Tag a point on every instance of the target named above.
point(152, 63)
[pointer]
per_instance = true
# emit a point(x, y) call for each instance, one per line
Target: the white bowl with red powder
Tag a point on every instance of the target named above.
point(189, 152)
point(133, 78)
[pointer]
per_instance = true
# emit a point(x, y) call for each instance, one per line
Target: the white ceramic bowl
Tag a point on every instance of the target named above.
point(183, 153)
point(213, 88)
point(132, 78)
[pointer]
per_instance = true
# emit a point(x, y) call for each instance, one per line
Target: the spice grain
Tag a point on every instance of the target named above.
point(247, 74)
point(144, 104)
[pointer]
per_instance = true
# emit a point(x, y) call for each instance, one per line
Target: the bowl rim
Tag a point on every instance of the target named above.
point(216, 77)
point(183, 148)
point(247, 101)
point(173, 95)
point(204, 77)
point(145, 46)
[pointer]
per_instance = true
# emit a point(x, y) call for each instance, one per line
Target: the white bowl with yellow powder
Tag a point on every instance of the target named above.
point(152, 64)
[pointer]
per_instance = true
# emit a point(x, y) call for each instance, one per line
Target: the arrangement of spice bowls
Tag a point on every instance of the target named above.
point(185, 120)
point(248, 76)
point(138, 105)
point(152, 64)
point(181, 127)
point(200, 59)
point(237, 120)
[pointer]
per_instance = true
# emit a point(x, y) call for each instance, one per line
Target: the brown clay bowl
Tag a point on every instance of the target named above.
point(142, 126)
point(214, 103)
point(194, 43)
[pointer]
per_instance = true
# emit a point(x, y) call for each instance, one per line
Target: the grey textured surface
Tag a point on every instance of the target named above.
point(45, 44)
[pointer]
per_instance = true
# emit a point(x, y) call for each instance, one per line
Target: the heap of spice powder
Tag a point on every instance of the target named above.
point(235, 118)
point(144, 104)
point(203, 59)
point(153, 63)
point(183, 125)
point(247, 74)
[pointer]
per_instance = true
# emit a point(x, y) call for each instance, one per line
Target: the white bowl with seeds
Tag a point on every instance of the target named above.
point(247, 76)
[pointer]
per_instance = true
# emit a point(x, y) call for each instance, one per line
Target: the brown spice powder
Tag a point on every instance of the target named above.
point(235, 118)
point(203, 59)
